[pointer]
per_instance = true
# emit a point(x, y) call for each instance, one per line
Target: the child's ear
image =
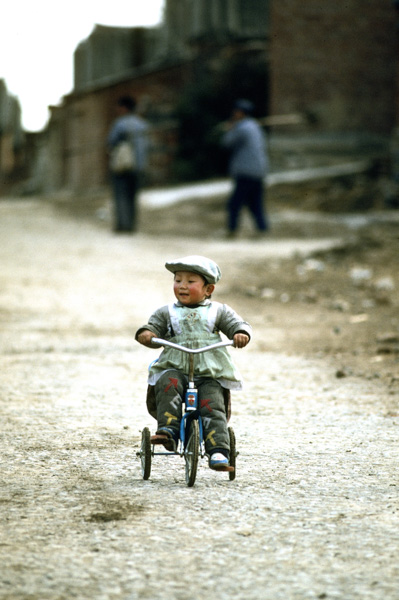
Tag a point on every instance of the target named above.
point(210, 289)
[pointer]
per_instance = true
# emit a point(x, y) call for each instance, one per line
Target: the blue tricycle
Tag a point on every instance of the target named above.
point(191, 443)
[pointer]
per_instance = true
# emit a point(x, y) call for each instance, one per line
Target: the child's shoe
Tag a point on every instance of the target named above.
point(164, 436)
point(219, 462)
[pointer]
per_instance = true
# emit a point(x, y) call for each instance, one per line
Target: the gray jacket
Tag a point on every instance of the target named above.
point(247, 144)
point(135, 128)
point(227, 321)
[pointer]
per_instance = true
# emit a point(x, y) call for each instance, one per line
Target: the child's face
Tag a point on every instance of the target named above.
point(190, 288)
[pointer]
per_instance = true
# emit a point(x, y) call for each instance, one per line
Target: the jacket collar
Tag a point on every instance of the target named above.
point(203, 303)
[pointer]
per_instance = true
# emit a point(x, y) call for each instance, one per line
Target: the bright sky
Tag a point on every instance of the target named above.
point(38, 39)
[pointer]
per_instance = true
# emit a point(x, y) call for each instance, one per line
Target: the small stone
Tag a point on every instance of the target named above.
point(388, 338)
point(268, 293)
point(360, 275)
point(340, 305)
point(311, 264)
point(340, 373)
point(385, 284)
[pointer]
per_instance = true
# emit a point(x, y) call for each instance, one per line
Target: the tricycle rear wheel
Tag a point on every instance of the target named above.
point(233, 453)
point(145, 453)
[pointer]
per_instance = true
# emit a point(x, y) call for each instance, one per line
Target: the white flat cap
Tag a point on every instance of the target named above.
point(196, 264)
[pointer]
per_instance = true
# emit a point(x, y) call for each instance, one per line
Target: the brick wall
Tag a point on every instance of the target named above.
point(78, 129)
point(336, 60)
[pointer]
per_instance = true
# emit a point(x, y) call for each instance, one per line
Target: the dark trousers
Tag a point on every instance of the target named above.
point(125, 188)
point(248, 191)
point(169, 395)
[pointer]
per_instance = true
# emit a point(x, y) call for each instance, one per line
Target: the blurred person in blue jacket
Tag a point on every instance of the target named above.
point(248, 166)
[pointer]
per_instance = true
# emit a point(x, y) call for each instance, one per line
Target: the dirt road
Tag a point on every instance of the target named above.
point(313, 512)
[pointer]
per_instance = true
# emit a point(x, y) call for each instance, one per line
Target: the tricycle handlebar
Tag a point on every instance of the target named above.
point(162, 342)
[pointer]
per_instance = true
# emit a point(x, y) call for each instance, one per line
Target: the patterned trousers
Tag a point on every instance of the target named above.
point(169, 395)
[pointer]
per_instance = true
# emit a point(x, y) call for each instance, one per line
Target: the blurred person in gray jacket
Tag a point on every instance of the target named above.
point(248, 167)
point(128, 127)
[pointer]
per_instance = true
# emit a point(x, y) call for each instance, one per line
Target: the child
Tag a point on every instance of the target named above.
point(194, 321)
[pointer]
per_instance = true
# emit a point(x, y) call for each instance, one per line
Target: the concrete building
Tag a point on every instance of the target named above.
point(190, 22)
point(11, 137)
point(336, 63)
point(113, 53)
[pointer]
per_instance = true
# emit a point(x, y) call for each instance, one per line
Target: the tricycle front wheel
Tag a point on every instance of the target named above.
point(191, 453)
